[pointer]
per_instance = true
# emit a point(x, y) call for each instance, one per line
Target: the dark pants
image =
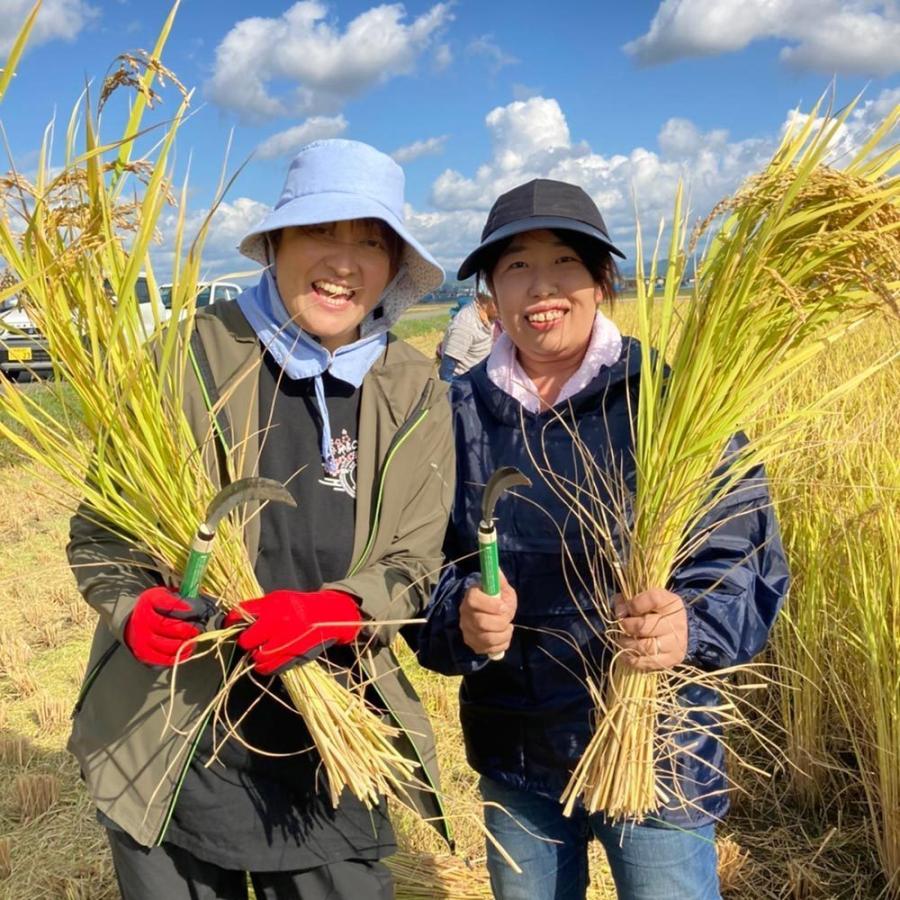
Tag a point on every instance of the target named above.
point(170, 873)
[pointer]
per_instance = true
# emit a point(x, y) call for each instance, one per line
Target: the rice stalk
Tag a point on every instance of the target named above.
point(425, 876)
point(5, 858)
point(33, 795)
point(868, 694)
point(124, 447)
point(803, 255)
point(15, 750)
point(51, 713)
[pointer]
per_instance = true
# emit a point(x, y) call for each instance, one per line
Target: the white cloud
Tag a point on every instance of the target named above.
point(231, 222)
point(448, 235)
point(57, 20)
point(486, 47)
point(323, 66)
point(831, 36)
point(286, 143)
point(430, 147)
point(443, 57)
point(525, 91)
point(531, 139)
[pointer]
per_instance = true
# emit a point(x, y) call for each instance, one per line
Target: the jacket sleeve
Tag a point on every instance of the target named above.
point(398, 584)
point(110, 572)
point(440, 644)
point(735, 581)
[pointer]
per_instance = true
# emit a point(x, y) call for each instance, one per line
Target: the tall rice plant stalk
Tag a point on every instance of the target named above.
point(867, 692)
point(867, 686)
point(125, 446)
point(804, 253)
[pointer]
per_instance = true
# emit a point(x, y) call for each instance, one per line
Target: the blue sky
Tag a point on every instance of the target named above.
point(473, 97)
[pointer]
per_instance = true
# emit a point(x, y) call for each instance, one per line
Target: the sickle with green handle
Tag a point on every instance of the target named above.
point(244, 490)
point(502, 480)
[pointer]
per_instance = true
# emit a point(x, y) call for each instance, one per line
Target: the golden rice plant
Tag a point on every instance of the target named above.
point(125, 447)
point(816, 488)
point(867, 686)
point(804, 253)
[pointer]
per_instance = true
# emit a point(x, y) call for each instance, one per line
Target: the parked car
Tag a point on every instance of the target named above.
point(23, 349)
point(209, 292)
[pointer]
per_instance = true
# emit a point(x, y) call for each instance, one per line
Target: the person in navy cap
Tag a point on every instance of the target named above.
point(562, 373)
point(308, 386)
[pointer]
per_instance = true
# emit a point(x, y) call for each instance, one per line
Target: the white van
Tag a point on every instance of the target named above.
point(207, 292)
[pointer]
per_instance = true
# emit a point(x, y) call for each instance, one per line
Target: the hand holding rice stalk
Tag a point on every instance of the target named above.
point(804, 254)
point(148, 476)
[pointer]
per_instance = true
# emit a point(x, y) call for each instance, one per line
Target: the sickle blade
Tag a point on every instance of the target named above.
point(502, 480)
point(245, 490)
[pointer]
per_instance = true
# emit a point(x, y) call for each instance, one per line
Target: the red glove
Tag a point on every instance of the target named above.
point(288, 624)
point(156, 631)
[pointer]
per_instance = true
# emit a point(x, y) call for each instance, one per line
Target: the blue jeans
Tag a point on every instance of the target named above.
point(647, 862)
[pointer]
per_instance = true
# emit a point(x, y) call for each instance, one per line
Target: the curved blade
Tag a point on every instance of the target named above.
point(502, 480)
point(245, 490)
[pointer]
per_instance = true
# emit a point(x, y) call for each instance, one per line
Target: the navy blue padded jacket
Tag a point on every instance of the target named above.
point(528, 718)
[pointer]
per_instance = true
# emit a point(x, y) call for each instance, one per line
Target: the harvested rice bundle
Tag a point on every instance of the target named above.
point(124, 446)
point(805, 252)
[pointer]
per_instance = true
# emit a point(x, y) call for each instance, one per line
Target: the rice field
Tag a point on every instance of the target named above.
point(826, 825)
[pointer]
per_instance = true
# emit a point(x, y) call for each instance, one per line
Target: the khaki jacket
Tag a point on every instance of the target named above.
point(132, 735)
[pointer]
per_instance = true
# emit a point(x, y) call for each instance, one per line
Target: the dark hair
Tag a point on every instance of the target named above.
point(392, 240)
point(596, 259)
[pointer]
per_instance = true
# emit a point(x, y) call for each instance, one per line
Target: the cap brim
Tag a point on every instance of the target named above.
point(471, 263)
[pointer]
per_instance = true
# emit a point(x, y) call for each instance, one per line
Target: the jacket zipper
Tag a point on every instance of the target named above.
point(91, 677)
point(415, 418)
point(420, 411)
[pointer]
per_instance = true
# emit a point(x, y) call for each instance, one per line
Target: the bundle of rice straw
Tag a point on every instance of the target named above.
point(424, 876)
point(148, 481)
point(805, 252)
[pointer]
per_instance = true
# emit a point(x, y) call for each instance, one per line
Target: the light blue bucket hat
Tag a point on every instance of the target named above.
point(335, 180)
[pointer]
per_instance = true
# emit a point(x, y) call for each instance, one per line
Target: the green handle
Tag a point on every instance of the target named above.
point(194, 570)
point(490, 565)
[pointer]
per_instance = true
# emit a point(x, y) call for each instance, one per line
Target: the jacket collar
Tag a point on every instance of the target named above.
point(509, 411)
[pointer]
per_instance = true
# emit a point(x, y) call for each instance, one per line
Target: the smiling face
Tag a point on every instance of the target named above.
point(547, 300)
point(331, 276)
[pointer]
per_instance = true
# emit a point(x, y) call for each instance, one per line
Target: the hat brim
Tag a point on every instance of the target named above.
point(419, 272)
point(471, 263)
point(313, 209)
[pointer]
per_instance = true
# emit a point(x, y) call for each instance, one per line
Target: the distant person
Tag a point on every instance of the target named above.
point(468, 338)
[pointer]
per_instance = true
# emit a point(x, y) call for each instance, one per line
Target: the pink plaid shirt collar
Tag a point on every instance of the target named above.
point(503, 369)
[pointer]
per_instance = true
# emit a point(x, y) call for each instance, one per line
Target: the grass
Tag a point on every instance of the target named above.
point(417, 330)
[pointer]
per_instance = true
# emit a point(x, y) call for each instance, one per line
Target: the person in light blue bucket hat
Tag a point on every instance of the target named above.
point(307, 386)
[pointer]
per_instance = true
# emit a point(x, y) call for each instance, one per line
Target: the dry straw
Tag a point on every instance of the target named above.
point(5, 858)
point(34, 795)
point(148, 479)
point(803, 254)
